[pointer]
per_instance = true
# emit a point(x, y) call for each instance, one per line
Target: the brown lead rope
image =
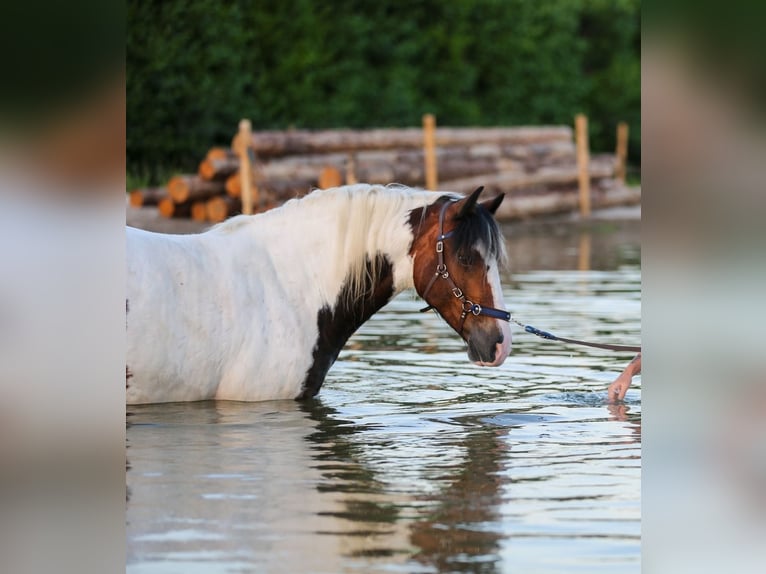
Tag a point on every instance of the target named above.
point(552, 337)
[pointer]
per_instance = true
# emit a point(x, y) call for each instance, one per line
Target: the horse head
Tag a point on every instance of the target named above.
point(457, 251)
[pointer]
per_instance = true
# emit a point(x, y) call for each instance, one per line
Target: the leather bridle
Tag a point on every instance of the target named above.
point(468, 307)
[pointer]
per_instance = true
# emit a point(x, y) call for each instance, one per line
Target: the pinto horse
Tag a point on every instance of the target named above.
point(259, 306)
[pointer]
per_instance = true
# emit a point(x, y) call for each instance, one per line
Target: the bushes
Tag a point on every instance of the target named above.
point(196, 67)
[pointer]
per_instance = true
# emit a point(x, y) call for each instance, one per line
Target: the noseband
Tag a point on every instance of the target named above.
point(467, 306)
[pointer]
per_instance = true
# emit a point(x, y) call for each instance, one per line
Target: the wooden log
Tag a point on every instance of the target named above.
point(217, 168)
point(278, 143)
point(220, 207)
point(330, 177)
point(220, 153)
point(285, 190)
point(459, 173)
point(600, 167)
point(147, 196)
point(267, 204)
point(525, 207)
point(530, 155)
point(279, 189)
point(199, 211)
point(233, 185)
point(169, 208)
point(407, 166)
point(183, 188)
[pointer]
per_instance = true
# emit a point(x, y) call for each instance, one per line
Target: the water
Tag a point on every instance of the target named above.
point(411, 459)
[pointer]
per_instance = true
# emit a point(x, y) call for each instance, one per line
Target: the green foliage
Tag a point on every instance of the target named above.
point(195, 67)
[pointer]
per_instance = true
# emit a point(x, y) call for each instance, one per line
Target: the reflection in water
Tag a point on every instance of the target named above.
point(365, 517)
point(461, 533)
point(411, 459)
point(558, 245)
point(583, 253)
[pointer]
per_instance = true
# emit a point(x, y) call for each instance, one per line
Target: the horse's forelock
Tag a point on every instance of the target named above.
point(480, 227)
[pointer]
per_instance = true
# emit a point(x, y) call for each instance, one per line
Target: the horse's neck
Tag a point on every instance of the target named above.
point(325, 264)
point(326, 244)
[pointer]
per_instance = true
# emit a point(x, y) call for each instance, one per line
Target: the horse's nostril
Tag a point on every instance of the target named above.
point(483, 351)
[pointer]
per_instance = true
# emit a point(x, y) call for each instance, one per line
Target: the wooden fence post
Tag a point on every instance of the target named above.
point(244, 141)
point(351, 170)
point(583, 163)
point(429, 150)
point(621, 152)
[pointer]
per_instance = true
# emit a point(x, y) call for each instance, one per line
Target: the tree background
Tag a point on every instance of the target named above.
point(196, 67)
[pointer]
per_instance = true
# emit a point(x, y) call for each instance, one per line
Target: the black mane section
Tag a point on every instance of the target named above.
point(478, 227)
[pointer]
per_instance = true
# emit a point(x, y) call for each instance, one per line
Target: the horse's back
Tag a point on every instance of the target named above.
point(208, 318)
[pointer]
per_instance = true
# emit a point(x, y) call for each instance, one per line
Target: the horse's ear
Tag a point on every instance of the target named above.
point(491, 205)
point(470, 203)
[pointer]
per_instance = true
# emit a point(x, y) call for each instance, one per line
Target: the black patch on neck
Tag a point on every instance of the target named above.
point(338, 323)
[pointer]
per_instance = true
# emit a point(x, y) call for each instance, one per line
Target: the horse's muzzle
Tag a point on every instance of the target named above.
point(490, 351)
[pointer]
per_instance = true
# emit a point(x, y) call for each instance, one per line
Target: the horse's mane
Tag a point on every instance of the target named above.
point(362, 214)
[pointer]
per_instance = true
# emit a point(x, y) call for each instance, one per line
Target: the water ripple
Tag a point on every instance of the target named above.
point(412, 459)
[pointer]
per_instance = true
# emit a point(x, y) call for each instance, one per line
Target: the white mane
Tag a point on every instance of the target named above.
point(362, 216)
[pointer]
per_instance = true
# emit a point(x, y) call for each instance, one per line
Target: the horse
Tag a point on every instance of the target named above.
point(258, 307)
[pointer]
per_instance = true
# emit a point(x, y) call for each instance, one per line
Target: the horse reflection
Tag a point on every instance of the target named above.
point(458, 535)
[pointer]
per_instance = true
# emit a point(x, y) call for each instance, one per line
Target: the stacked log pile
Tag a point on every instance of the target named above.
point(535, 166)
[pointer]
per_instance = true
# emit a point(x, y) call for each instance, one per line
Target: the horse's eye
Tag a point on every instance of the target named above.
point(464, 260)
